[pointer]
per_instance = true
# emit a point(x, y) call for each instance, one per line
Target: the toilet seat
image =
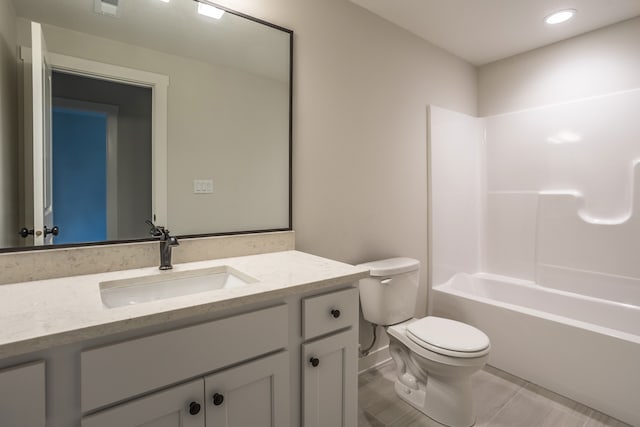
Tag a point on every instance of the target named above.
point(448, 337)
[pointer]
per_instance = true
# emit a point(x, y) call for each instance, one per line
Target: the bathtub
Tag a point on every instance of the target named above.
point(581, 347)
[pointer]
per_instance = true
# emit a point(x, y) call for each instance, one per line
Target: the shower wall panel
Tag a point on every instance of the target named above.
point(563, 196)
point(456, 150)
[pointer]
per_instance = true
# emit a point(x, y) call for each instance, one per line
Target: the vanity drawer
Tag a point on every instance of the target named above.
point(116, 372)
point(325, 313)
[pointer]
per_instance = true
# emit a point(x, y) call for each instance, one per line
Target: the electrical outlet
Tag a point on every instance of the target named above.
point(202, 186)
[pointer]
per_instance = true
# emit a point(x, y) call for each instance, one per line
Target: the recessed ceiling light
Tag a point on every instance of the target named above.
point(560, 16)
point(210, 11)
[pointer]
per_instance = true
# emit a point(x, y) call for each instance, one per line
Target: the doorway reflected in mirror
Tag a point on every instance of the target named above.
point(101, 159)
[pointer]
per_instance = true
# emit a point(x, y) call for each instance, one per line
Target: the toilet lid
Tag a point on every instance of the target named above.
point(436, 334)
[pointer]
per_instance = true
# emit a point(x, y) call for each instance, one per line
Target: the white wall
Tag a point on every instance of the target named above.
point(361, 91)
point(238, 137)
point(596, 63)
point(8, 127)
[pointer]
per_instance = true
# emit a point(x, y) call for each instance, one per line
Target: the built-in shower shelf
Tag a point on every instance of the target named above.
point(567, 236)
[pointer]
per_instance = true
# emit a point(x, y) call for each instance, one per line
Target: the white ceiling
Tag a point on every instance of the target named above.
point(173, 28)
point(483, 31)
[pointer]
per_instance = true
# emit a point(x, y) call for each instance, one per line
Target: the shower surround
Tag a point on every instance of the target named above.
point(535, 239)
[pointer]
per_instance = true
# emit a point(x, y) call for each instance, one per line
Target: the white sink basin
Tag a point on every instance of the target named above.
point(118, 293)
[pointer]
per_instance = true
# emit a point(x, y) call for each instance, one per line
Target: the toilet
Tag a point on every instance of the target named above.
point(434, 357)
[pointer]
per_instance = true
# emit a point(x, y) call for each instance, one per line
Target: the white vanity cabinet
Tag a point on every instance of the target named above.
point(330, 363)
point(113, 373)
point(22, 395)
point(253, 394)
point(201, 382)
point(242, 361)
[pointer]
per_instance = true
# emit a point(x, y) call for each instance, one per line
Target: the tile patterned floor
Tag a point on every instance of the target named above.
point(502, 400)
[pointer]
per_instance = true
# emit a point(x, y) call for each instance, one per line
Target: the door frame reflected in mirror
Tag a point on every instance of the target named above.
point(158, 84)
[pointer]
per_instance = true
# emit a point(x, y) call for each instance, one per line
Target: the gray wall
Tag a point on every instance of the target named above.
point(230, 127)
point(9, 223)
point(361, 90)
point(134, 144)
point(596, 63)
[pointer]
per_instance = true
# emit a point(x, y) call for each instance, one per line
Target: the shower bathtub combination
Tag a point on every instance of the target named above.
point(535, 240)
point(582, 347)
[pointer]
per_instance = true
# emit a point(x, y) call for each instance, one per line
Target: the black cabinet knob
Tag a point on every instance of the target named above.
point(335, 313)
point(314, 361)
point(194, 408)
point(218, 399)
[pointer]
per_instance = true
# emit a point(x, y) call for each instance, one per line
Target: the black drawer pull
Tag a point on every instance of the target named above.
point(335, 313)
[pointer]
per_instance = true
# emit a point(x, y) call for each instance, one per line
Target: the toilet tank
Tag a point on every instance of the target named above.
point(388, 295)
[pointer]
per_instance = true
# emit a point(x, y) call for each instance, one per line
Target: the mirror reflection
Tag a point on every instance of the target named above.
point(116, 112)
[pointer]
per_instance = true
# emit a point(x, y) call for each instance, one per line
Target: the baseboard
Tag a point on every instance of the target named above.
point(373, 359)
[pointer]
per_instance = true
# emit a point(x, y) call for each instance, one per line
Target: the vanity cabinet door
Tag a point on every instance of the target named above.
point(329, 381)
point(22, 396)
point(254, 394)
point(179, 406)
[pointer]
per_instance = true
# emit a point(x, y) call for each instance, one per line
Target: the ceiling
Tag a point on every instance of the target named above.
point(483, 31)
point(173, 28)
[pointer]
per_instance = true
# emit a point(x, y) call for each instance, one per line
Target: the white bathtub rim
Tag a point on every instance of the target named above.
point(447, 288)
point(534, 285)
point(537, 286)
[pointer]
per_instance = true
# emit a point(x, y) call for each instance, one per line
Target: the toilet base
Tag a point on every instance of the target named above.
point(413, 397)
point(439, 404)
point(436, 385)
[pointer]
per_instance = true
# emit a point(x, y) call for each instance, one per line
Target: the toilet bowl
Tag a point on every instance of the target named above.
point(434, 357)
point(433, 377)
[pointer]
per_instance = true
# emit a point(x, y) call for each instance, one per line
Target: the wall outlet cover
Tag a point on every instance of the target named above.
point(202, 186)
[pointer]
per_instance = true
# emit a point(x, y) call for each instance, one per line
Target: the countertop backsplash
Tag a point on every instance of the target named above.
point(53, 263)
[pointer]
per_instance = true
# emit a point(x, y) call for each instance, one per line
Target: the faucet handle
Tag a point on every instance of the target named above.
point(155, 231)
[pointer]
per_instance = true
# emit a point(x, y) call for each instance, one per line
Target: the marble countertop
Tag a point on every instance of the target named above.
point(46, 313)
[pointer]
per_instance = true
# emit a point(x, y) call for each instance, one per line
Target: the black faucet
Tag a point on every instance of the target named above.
point(167, 242)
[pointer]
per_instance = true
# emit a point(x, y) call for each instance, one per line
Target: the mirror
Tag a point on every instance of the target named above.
point(193, 115)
